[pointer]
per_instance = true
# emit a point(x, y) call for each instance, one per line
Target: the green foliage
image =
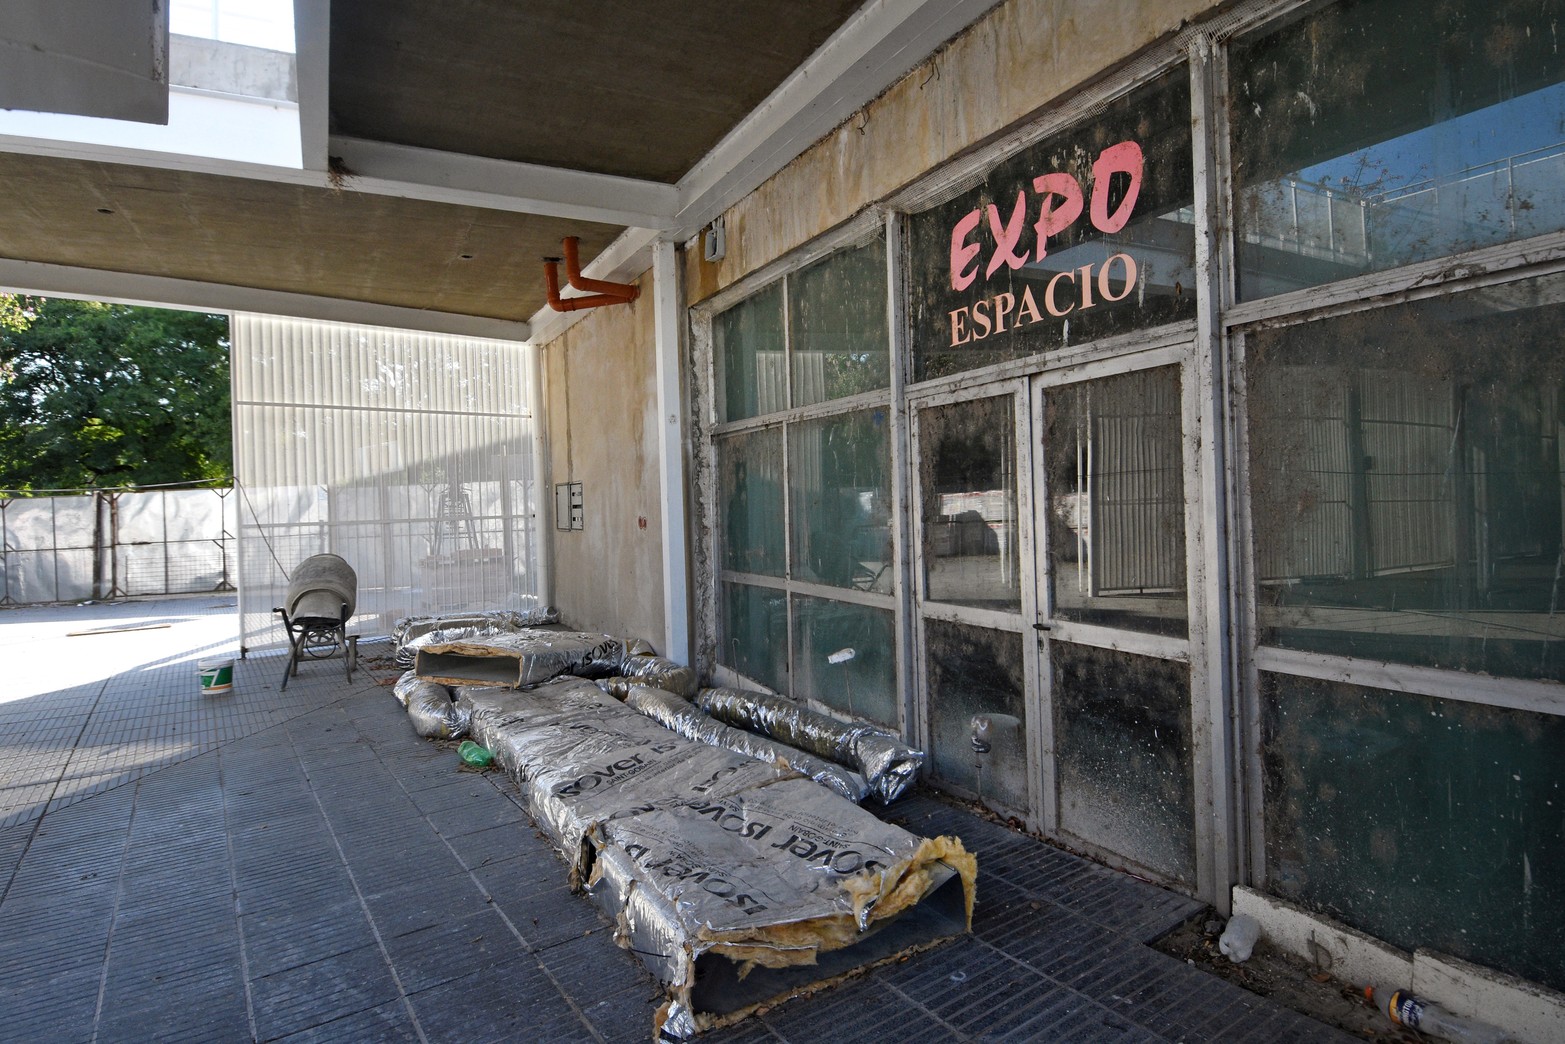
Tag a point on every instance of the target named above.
point(98, 394)
point(15, 312)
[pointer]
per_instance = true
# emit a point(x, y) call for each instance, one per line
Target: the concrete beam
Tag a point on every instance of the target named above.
point(162, 292)
point(476, 181)
point(86, 58)
point(312, 69)
point(230, 68)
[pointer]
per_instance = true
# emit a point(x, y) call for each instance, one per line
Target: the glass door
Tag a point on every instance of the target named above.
point(975, 595)
point(1113, 464)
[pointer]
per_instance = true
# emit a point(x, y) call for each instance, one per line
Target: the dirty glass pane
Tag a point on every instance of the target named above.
point(1421, 821)
point(972, 671)
point(1085, 234)
point(747, 343)
point(1116, 492)
point(754, 638)
point(750, 495)
point(967, 474)
point(1123, 748)
point(839, 472)
point(862, 682)
point(1406, 482)
point(837, 325)
point(1368, 135)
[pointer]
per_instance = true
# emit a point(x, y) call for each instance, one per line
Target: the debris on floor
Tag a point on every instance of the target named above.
point(1285, 979)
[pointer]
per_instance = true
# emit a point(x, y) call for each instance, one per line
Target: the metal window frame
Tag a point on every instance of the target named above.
point(1211, 838)
point(707, 429)
point(922, 609)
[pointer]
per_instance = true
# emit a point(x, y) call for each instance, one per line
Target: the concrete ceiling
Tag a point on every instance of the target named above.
point(448, 146)
point(626, 87)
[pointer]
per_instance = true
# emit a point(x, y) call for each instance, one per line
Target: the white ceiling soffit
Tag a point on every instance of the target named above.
point(163, 292)
point(85, 58)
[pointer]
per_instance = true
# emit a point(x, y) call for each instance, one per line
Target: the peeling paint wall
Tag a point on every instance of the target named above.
point(1015, 62)
point(601, 417)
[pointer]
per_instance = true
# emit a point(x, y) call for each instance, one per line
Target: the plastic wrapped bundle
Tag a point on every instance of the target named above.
point(430, 708)
point(503, 719)
point(778, 888)
point(889, 765)
point(580, 762)
point(520, 658)
point(407, 653)
point(656, 671)
point(676, 713)
point(494, 621)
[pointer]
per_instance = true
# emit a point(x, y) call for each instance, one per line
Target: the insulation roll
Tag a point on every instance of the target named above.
point(677, 713)
point(889, 765)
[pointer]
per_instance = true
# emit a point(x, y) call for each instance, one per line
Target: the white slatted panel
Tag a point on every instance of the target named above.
point(409, 454)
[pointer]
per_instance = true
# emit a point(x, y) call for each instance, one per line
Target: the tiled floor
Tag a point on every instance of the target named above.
point(306, 869)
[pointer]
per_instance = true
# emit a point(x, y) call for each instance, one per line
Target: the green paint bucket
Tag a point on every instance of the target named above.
point(217, 676)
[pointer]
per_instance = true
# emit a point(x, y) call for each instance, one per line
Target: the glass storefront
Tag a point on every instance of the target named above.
point(1367, 550)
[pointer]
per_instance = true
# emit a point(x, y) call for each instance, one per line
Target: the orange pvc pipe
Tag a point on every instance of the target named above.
point(623, 291)
point(551, 278)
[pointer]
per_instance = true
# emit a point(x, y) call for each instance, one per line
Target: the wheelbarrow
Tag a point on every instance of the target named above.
point(322, 595)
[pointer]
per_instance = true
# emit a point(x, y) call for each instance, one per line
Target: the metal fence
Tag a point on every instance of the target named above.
point(117, 543)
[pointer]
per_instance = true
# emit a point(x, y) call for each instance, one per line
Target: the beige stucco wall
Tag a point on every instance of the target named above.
point(600, 415)
point(1010, 65)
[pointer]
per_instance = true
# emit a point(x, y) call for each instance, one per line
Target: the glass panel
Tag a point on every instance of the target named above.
point(972, 671)
point(1085, 234)
point(754, 641)
point(845, 657)
point(747, 342)
point(1116, 486)
point(1407, 482)
point(837, 326)
point(967, 472)
point(750, 472)
point(1424, 822)
point(1122, 743)
point(1373, 134)
point(839, 474)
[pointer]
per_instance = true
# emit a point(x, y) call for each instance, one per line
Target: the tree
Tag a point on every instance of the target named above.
point(96, 394)
point(15, 312)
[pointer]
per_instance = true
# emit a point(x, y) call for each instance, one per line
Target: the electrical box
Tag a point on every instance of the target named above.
point(567, 506)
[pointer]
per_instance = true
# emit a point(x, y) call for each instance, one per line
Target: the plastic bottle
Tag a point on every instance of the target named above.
point(1238, 940)
point(1404, 1009)
point(473, 754)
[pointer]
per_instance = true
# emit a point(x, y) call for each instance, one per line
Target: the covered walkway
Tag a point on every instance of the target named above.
point(300, 866)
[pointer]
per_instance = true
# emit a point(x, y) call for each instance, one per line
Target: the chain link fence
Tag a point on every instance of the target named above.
point(117, 543)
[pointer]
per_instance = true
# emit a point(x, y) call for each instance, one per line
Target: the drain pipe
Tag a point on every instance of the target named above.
point(573, 276)
point(599, 292)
